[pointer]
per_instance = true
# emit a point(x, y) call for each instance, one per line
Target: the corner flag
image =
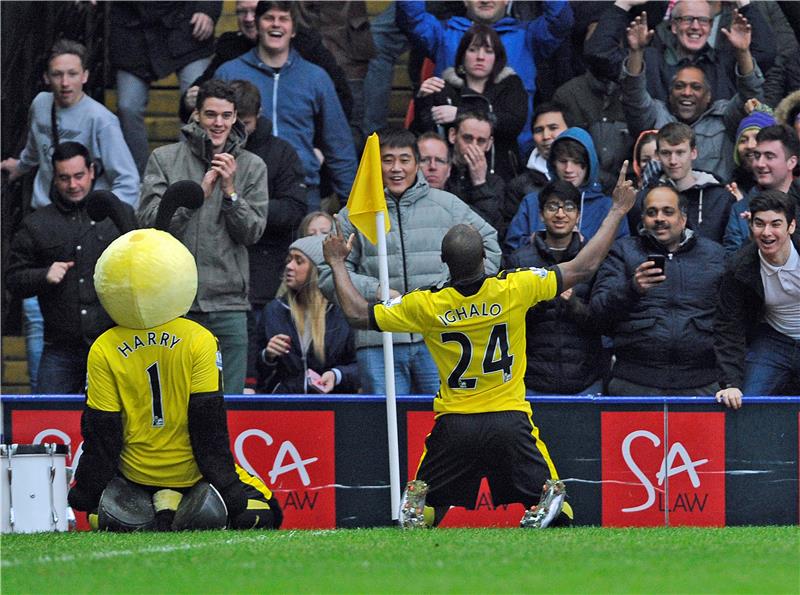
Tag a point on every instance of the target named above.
point(367, 212)
point(366, 196)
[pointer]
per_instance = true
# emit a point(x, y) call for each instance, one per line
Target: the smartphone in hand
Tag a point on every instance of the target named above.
point(315, 381)
point(659, 260)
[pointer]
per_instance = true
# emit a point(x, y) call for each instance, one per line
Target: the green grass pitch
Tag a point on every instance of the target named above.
point(386, 560)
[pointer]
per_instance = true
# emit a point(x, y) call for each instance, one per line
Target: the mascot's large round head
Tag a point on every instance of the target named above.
point(145, 278)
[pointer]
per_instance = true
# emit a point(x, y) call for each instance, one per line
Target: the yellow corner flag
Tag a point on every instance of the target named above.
point(366, 196)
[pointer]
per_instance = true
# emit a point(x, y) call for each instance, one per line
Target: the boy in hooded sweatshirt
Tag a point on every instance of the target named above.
point(573, 159)
point(709, 202)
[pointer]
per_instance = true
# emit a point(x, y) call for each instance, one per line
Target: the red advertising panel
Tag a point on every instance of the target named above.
point(485, 513)
point(293, 452)
point(647, 482)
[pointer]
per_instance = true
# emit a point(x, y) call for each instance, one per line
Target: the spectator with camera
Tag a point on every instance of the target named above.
point(656, 293)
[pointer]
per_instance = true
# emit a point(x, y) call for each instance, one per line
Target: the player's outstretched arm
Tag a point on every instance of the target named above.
point(588, 260)
point(355, 307)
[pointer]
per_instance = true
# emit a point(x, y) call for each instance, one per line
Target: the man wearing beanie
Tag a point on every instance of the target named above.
point(743, 179)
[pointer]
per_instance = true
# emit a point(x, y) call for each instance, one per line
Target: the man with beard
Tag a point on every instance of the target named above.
point(660, 316)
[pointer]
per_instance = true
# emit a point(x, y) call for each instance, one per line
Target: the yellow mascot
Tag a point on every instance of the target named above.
point(156, 451)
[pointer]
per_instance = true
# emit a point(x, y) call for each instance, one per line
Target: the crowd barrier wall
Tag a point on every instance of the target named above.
point(633, 461)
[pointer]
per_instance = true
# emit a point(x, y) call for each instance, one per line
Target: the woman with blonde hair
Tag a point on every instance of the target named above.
point(316, 222)
point(308, 345)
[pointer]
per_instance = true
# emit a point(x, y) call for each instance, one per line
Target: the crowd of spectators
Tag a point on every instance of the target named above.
point(519, 127)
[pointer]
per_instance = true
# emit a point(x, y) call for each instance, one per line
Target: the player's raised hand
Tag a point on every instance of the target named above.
point(624, 194)
point(334, 248)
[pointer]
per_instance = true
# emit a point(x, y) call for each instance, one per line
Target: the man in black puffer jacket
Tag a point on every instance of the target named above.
point(565, 354)
point(53, 256)
point(661, 321)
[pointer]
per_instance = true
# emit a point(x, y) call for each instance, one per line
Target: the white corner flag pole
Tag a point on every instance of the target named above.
point(388, 365)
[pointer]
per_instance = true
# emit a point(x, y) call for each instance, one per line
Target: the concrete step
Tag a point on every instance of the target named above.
point(15, 367)
point(161, 101)
point(13, 348)
point(15, 372)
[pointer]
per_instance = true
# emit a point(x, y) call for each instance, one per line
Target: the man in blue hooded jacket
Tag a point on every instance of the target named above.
point(299, 98)
point(525, 42)
point(573, 159)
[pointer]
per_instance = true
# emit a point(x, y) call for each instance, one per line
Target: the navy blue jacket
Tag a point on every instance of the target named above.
point(563, 344)
point(664, 338)
point(286, 374)
point(709, 206)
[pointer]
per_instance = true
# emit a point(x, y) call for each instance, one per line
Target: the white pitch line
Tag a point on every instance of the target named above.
point(122, 553)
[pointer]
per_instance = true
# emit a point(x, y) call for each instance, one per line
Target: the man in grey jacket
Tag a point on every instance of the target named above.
point(233, 216)
point(690, 100)
point(420, 216)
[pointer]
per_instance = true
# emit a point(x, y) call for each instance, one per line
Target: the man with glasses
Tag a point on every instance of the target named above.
point(470, 178)
point(434, 159)
point(656, 294)
point(232, 216)
point(692, 35)
point(691, 98)
point(563, 347)
point(572, 159)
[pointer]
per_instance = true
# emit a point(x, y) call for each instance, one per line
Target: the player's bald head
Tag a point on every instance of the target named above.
point(462, 251)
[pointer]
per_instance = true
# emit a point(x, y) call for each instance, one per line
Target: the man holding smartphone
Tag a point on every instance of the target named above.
point(657, 293)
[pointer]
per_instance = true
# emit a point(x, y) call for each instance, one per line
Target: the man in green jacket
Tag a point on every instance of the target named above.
point(232, 216)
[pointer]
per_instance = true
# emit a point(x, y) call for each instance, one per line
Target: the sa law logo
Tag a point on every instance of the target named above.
point(293, 452)
point(646, 480)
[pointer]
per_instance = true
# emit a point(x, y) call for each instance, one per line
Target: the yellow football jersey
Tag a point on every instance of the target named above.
point(477, 341)
point(148, 375)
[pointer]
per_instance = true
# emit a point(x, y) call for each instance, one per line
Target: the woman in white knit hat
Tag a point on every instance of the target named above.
point(306, 344)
